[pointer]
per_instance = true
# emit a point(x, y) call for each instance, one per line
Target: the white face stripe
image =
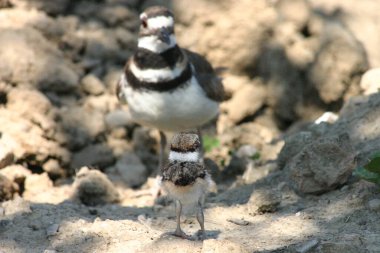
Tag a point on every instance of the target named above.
point(153, 44)
point(160, 21)
point(157, 75)
point(184, 157)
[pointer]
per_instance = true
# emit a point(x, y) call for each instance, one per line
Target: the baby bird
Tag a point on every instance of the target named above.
point(185, 178)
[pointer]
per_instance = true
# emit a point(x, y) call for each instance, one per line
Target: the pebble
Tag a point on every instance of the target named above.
point(52, 230)
point(118, 118)
point(50, 251)
point(239, 222)
point(246, 151)
point(306, 247)
point(374, 204)
point(92, 85)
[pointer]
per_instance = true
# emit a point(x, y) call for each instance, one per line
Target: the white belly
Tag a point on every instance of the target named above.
point(188, 195)
point(186, 107)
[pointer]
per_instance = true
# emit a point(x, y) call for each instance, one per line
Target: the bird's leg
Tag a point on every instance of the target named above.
point(156, 190)
point(178, 210)
point(201, 219)
point(161, 157)
point(201, 150)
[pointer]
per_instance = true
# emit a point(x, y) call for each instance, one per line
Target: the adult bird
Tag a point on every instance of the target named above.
point(167, 87)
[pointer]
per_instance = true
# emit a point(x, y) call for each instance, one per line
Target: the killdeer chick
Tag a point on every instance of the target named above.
point(185, 178)
point(167, 87)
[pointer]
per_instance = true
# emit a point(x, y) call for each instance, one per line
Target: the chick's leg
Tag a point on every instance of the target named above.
point(201, 219)
point(178, 210)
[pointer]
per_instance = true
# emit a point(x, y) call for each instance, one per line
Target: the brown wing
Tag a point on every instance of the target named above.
point(206, 76)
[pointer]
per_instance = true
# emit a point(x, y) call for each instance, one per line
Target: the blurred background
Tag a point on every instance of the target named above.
point(300, 116)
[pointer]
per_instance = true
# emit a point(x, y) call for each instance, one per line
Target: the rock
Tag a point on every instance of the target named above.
point(126, 38)
point(248, 133)
point(6, 156)
point(286, 11)
point(362, 20)
point(118, 118)
point(21, 136)
point(76, 137)
point(328, 117)
point(58, 7)
point(17, 206)
point(100, 43)
point(87, 119)
point(111, 79)
point(116, 14)
point(103, 103)
point(131, 169)
point(16, 173)
point(92, 188)
point(322, 165)
point(222, 246)
point(264, 201)
point(308, 246)
point(49, 71)
point(374, 204)
point(246, 151)
point(360, 116)
point(338, 65)
point(239, 222)
point(193, 20)
point(16, 18)
point(245, 102)
point(253, 172)
point(94, 155)
point(236, 166)
point(54, 169)
point(49, 251)
point(37, 183)
point(233, 83)
point(52, 230)
point(92, 85)
point(370, 82)
point(293, 145)
point(23, 99)
point(7, 188)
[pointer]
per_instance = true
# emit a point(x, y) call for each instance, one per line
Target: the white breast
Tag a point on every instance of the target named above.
point(186, 107)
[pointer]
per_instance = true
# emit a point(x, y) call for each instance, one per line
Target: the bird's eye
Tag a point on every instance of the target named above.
point(144, 23)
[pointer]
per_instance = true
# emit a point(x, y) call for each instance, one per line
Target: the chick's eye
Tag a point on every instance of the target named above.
point(144, 23)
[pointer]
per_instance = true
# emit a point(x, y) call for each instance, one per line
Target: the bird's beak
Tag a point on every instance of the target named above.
point(164, 35)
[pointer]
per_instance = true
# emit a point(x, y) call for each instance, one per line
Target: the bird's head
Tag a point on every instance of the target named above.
point(185, 147)
point(157, 29)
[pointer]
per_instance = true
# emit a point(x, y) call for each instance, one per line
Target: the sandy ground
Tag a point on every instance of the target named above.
point(338, 221)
